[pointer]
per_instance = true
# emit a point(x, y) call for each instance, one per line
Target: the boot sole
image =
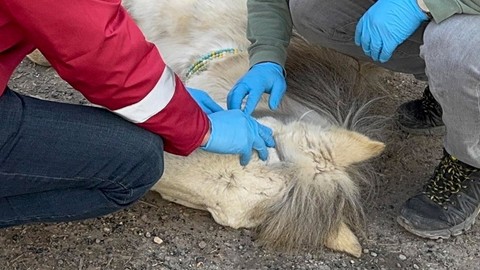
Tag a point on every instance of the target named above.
point(441, 234)
point(439, 130)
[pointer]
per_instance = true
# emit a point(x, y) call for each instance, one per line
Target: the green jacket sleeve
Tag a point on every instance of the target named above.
point(269, 30)
point(443, 9)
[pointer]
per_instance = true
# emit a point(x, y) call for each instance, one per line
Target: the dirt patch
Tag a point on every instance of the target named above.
point(155, 234)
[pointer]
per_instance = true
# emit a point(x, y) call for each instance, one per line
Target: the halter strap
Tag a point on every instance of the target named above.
point(202, 63)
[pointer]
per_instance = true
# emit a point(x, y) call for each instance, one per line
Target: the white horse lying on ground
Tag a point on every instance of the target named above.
point(307, 194)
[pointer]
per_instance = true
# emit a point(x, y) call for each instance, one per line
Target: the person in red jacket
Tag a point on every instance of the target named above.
point(61, 162)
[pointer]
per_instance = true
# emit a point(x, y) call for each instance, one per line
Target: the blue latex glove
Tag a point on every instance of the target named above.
point(235, 132)
point(262, 78)
point(387, 24)
point(205, 102)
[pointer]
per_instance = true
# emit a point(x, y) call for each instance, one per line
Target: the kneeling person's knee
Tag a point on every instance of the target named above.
point(140, 166)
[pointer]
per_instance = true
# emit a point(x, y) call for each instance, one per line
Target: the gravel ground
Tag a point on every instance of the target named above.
point(156, 234)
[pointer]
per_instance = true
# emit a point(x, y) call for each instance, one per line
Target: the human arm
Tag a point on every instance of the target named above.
point(97, 48)
point(443, 9)
point(236, 132)
point(269, 30)
point(205, 102)
point(232, 131)
point(388, 23)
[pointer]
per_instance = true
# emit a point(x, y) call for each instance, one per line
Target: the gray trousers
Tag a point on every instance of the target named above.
point(447, 54)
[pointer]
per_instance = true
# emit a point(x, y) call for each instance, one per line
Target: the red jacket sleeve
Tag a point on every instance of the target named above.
point(96, 47)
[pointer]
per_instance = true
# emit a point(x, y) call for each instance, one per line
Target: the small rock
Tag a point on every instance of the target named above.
point(98, 241)
point(402, 257)
point(202, 244)
point(399, 265)
point(416, 266)
point(148, 235)
point(366, 251)
point(200, 261)
point(373, 254)
point(440, 240)
point(157, 240)
point(106, 229)
point(247, 232)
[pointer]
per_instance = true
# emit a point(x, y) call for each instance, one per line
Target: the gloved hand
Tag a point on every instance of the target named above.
point(262, 78)
point(387, 24)
point(205, 102)
point(235, 132)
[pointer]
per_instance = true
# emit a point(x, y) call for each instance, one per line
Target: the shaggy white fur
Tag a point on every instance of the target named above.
point(307, 193)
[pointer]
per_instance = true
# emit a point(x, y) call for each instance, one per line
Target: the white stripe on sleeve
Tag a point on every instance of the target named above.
point(154, 102)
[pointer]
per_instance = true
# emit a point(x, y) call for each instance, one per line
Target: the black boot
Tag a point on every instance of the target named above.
point(421, 116)
point(449, 203)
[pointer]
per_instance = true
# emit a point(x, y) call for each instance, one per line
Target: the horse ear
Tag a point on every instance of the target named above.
point(344, 240)
point(352, 147)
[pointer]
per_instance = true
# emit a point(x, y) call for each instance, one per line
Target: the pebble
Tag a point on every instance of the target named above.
point(416, 266)
point(402, 257)
point(106, 229)
point(157, 240)
point(200, 261)
point(202, 244)
point(366, 251)
point(98, 241)
point(373, 254)
point(148, 235)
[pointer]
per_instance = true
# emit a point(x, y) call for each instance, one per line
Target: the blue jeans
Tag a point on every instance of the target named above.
point(63, 162)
